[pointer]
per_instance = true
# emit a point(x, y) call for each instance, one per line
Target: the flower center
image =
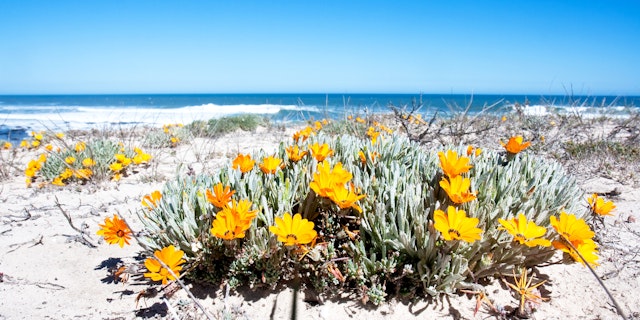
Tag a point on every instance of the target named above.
point(120, 233)
point(292, 236)
point(454, 232)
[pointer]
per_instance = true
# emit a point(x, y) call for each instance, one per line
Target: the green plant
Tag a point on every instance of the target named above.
point(215, 127)
point(391, 246)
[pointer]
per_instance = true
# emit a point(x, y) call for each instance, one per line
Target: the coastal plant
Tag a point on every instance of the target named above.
point(94, 160)
point(170, 136)
point(219, 126)
point(372, 213)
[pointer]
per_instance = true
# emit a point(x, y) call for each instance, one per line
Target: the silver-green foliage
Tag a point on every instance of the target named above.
point(396, 249)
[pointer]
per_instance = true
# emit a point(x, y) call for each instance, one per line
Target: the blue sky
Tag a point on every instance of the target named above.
point(540, 47)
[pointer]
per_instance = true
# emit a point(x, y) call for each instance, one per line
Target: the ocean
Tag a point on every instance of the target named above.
point(21, 114)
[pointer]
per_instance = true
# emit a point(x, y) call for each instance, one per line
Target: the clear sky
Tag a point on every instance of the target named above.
point(522, 47)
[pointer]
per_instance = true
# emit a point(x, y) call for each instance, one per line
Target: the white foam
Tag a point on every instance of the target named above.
point(66, 117)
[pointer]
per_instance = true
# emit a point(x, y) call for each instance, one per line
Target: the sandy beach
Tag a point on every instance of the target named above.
point(54, 266)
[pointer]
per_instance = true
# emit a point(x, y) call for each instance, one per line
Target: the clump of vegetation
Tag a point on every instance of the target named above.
point(95, 160)
point(372, 213)
point(219, 126)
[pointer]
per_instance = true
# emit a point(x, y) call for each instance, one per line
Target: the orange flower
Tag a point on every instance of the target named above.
point(515, 144)
point(295, 154)
point(372, 155)
point(373, 134)
point(220, 197)
point(270, 164)
point(471, 150)
point(234, 220)
point(457, 189)
point(452, 165)
point(345, 198)
point(320, 151)
point(115, 231)
point(326, 179)
point(244, 163)
point(302, 134)
point(577, 232)
point(599, 206)
point(171, 257)
point(151, 200)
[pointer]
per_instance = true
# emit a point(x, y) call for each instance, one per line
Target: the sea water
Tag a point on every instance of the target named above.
point(21, 114)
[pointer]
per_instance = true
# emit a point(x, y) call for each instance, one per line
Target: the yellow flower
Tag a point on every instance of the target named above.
point(303, 134)
point(171, 257)
point(233, 220)
point(37, 136)
point(599, 206)
point(270, 164)
point(48, 147)
point(320, 151)
point(359, 120)
point(24, 144)
point(571, 228)
point(291, 231)
point(60, 135)
point(116, 177)
point(452, 165)
point(457, 189)
point(345, 198)
point(115, 231)
point(525, 232)
point(83, 173)
point(115, 167)
point(587, 248)
point(455, 225)
point(66, 174)
point(295, 154)
point(504, 118)
point(70, 160)
point(88, 162)
point(220, 197)
point(57, 181)
point(244, 163)
point(151, 200)
point(373, 134)
point(515, 145)
point(141, 158)
point(122, 159)
point(372, 155)
point(577, 232)
point(35, 143)
point(7, 145)
point(80, 146)
point(317, 125)
point(174, 141)
point(326, 179)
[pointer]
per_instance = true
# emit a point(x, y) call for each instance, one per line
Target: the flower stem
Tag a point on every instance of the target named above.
point(615, 303)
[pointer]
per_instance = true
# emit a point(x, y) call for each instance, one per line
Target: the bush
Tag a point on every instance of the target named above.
point(216, 127)
point(391, 246)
